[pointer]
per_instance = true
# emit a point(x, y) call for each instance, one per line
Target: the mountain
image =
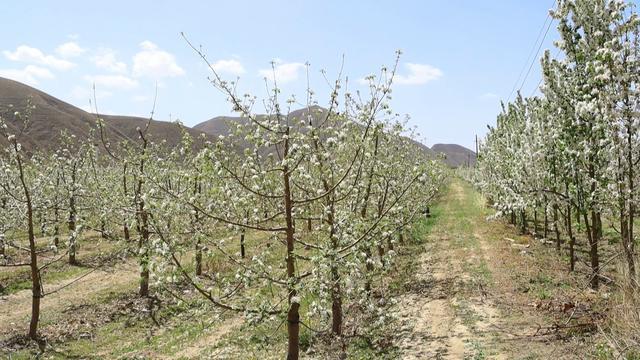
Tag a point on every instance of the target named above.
point(455, 155)
point(221, 125)
point(51, 116)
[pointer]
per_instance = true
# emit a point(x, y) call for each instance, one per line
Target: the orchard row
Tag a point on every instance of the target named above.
point(301, 213)
point(569, 158)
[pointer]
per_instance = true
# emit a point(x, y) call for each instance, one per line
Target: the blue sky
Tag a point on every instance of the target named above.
point(460, 56)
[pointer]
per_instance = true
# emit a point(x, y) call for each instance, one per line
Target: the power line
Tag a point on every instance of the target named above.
point(542, 34)
point(542, 78)
point(537, 53)
point(528, 58)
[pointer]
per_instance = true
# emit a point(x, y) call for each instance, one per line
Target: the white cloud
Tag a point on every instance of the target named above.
point(148, 45)
point(282, 72)
point(106, 59)
point(29, 75)
point(231, 66)
point(112, 81)
point(154, 63)
point(29, 54)
point(70, 49)
point(419, 74)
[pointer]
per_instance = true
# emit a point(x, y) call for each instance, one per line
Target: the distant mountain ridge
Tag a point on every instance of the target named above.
point(452, 154)
point(51, 116)
point(455, 155)
point(220, 125)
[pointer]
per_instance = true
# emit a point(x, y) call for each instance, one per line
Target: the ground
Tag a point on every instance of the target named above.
point(481, 291)
point(466, 288)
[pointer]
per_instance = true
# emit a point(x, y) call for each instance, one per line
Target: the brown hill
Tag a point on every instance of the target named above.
point(455, 155)
point(221, 125)
point(51, 116)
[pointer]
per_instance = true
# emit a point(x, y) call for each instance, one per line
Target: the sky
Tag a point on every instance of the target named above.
point(460, 57)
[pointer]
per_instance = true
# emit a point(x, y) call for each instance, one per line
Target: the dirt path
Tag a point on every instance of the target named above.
point(463, 302)
point(194, 350)
point(432, 316)
point(14, 315)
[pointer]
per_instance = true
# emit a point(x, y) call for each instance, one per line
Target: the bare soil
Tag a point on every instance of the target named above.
point(477, 296)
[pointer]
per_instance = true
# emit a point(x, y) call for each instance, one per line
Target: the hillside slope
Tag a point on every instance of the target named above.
point(455, 155)
point(51, 116)
point(221, 125)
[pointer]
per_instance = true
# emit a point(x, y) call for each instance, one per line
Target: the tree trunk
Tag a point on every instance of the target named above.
point(629, 244)
point(556, 227)
point(3, 204)
point(336, 290)
point(42, 221)
point(195, 226)
point(546, 222)
point(198, 257)
point(572, 240)
point(125, 230)
point(536, 234)
point(336, 302)
point(144, 253)
point(56, 220)
point(36, 284)
point(103, 229)
point(369, 267)
point(73, 238)
point(363, 214)
point(592, 235)
point(293, 315)
point(381, 253)
point(142, 219)
point(242, 250)
point(624, 229)
point(125, 227)
point(523, 219)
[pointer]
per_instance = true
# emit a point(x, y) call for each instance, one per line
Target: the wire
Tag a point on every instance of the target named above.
point(542, 78)
point(542, 34)
point(537, 53)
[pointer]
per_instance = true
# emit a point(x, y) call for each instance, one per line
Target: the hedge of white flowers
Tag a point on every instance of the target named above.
point(569, 158)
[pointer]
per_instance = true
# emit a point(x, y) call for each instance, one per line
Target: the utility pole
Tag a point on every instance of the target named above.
point(477, 146)
point(477, 150)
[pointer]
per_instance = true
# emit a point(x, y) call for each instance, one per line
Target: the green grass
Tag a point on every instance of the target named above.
point(47, 278)
point(478, 351)
point(17, 279)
